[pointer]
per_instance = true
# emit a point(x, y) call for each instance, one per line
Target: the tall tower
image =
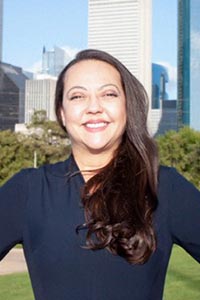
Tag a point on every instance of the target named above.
point(123, 28)
point(189, 63)
point(1, 28)
point(53, 61)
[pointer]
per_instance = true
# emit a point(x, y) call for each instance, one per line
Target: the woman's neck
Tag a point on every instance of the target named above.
point(88, 162)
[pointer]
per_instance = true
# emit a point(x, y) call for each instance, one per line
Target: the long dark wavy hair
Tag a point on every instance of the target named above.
point(119, 201)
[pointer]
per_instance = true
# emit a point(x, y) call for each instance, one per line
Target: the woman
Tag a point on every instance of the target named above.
point(101, 225)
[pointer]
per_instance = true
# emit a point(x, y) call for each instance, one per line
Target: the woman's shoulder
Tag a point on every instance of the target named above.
point(167, 174)
point(35, 175)
point(169, 179)
point(57, 169)
point(165, 170)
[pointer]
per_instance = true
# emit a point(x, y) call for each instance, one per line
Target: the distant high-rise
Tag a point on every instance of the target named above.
point(123, 28)
point(39, 95)
point(189, 63)
point(168, 118)
point(53, 61)
point(12, 96)
point(159, 80)
point(164, 111)
point(1, 28)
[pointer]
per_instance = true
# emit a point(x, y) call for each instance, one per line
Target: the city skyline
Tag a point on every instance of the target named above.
point(65, 24)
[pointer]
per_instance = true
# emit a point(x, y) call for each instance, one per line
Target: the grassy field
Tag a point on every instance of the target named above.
point(183, 277)
point(15, 287)
point(182, 283)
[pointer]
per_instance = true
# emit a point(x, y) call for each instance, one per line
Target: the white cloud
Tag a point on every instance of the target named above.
point(71, 51)
point(172, 70)
point(171, 87)
point(36, 67)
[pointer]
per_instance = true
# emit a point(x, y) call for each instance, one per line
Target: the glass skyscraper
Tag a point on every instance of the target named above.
point(55, 60)
point(189, 63)
point(159, 80)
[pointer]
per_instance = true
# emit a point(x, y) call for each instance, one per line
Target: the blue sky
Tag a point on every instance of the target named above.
point(164, 25)
point(29, 25)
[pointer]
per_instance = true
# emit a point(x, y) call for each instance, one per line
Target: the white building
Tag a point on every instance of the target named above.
point(1, 28)
point(40, 95)
point(123, 28)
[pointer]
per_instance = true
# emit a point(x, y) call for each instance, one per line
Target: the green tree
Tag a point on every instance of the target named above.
point(39, 117)
point(17, 150)
point(51, 129)
point(13, 155)
point(182, 150)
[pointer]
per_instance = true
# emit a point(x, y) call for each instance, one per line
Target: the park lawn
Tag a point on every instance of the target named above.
point(15, 287)
point(183, 277)
point(182, 282)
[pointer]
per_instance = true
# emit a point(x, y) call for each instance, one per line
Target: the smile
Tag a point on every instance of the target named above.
point(96, 125)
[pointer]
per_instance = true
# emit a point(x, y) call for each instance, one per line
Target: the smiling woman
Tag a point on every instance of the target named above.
point(97, 91)
point(101, 225)
point(93, 110)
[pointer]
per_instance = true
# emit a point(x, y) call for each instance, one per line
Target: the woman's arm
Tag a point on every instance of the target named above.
point(12, 211)
point(184, 214)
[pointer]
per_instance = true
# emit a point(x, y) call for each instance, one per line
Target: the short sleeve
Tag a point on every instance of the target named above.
point(184, 214)
point(13, 196)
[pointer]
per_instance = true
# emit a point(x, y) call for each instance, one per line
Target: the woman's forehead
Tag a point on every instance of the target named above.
point(92, 69)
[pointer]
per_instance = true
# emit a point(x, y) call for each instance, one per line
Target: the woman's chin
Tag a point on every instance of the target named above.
point(101, 148)
point(96, 149)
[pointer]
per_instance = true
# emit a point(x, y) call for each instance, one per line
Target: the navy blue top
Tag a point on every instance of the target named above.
point(41, 209)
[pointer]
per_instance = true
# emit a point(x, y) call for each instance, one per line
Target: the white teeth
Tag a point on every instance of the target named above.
point(95, 125)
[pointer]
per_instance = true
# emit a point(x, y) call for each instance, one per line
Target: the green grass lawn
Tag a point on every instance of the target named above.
point(183, 277)
point(182, 283)
point(15, 287)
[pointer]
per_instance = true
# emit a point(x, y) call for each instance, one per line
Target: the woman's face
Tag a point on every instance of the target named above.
point(94, 106)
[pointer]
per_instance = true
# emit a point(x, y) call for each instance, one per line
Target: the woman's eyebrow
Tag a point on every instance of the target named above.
point(76, 87)
point(109, 84)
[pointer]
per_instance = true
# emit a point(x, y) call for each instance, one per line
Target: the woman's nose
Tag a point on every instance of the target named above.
point(94, 105)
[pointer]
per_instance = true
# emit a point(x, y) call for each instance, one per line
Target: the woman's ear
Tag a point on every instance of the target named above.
point(62, 114)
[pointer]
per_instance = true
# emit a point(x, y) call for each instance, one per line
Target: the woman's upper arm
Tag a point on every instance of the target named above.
point(13, 195)
point(184, 214)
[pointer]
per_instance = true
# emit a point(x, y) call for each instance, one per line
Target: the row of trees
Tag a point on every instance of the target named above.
point(182, 150)
point(46, 143)
point(50, 144)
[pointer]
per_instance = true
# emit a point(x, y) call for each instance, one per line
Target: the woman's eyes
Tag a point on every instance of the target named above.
point(77, 97)
point(110, 95)
point(106, 95)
